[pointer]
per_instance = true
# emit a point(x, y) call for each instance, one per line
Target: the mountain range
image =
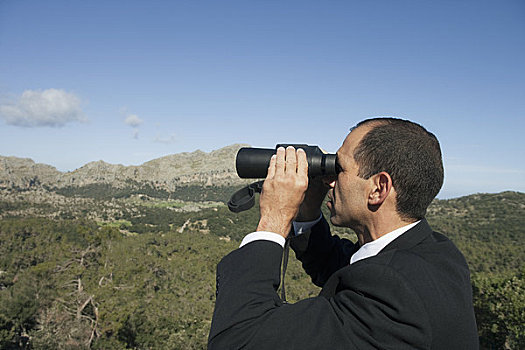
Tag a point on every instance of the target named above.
point(216, 168)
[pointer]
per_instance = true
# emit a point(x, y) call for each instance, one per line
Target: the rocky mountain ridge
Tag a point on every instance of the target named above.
point(216, 168)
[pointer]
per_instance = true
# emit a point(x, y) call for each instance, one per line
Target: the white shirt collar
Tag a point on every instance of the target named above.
point(373, 248)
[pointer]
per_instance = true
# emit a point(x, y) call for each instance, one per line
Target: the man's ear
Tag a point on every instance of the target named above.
point(381, 184)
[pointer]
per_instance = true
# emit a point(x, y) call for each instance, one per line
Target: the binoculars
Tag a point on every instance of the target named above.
point(252, 163)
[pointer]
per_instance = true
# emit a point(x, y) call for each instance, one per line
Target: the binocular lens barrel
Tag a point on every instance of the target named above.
point(252, 163)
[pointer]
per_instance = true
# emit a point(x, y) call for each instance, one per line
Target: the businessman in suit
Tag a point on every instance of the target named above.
point(400, 286)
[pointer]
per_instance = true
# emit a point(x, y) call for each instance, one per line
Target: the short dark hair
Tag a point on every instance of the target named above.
point(410, 155)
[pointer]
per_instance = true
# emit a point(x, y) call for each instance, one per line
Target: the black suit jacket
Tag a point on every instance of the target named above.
point(415, 294)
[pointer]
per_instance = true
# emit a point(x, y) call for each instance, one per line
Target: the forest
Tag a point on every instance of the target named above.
point(87, 270)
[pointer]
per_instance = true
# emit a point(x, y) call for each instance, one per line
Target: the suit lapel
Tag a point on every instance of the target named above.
point(407, 240)
point(410, 238)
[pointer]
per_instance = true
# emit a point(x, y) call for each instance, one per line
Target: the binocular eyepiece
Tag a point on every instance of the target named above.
point(252, 163)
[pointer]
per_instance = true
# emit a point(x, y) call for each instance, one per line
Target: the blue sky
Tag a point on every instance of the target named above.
point(129, 81)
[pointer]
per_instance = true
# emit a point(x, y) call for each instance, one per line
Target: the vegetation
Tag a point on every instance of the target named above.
point(106, 191)
point(130, 273)
point(185, 193)
point(488, 229)
point(499, 303)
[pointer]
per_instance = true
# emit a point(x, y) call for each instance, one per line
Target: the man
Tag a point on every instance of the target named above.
point(401, 286)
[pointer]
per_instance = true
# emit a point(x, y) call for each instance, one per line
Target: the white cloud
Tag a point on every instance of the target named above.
point(167, 140)
point(133, 120)
point(51, 107)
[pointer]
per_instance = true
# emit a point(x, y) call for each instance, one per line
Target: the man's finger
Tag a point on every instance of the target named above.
point(271, 168)
point(291, 160)
point(279, 161)
point(302, 163)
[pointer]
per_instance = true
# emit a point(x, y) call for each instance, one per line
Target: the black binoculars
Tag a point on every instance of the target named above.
point(252, 163)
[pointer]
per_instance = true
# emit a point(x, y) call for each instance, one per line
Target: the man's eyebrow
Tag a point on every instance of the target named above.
point(338, 155)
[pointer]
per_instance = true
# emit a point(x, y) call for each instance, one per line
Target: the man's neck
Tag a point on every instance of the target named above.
point(379, 228)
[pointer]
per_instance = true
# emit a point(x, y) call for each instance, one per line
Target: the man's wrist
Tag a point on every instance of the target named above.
point(269, 225)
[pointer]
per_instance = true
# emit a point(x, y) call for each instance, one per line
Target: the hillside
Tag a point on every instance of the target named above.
point(103, 267)
point(488, 223)
point(488, 228)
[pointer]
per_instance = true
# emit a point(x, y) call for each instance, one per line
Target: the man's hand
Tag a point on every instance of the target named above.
point(310, 208)
point(283, 190)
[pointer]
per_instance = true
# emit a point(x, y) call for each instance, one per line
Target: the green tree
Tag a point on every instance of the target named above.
point(500, 310)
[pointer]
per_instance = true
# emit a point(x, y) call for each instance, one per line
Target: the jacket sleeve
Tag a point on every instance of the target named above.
point(320, 253)
point(365, 314)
